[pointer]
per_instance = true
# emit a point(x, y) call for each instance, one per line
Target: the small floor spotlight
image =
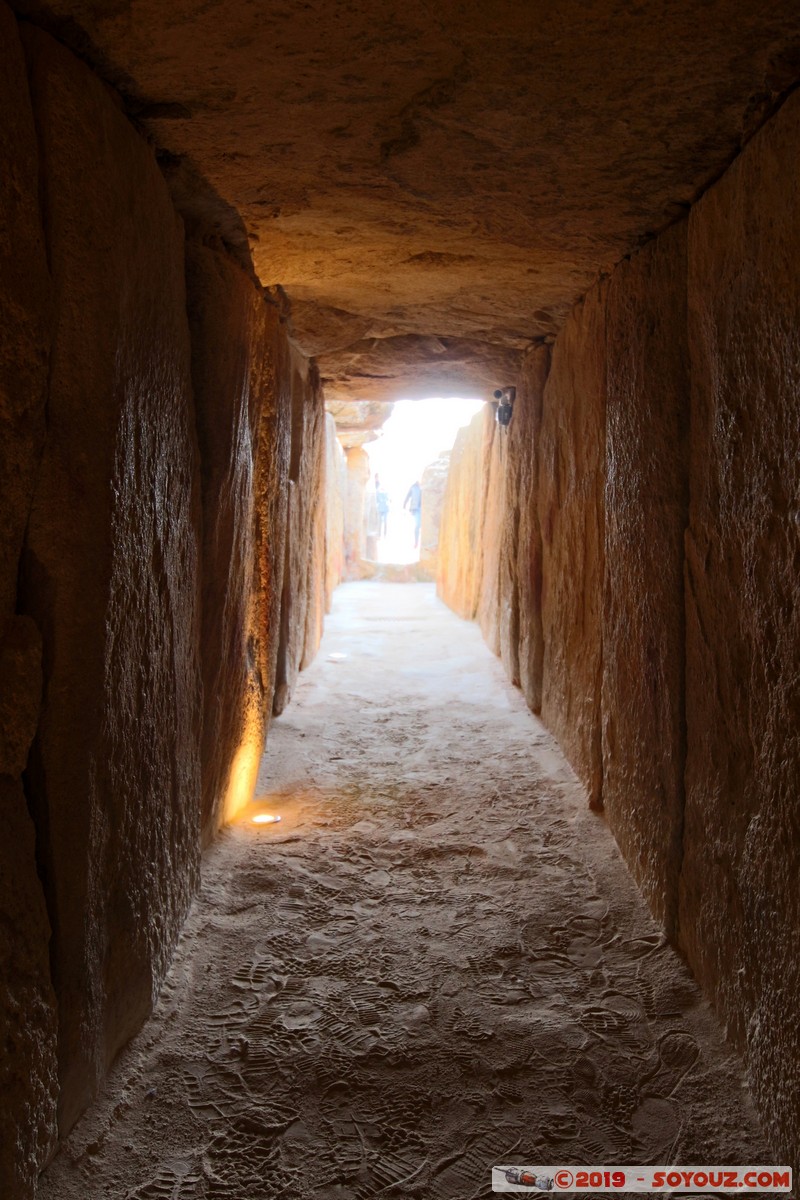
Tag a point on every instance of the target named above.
point(504, 409)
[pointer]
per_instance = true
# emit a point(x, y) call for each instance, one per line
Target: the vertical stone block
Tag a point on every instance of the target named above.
point(571, 489)
point(739, 897)
point(646, 511)
point(461, 545)
point(28, 1070)
point(335, 490)
point(28, 1018)
point(520, 583)
point(357, 481)
point(25, 309)
point(303, 598)
point(493, 486)
point(433, 483)
point(111, 574)
point(272, 458)
point(313, 485)
point(243, 435)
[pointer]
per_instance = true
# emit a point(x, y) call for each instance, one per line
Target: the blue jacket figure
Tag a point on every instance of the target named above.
point(382, 499)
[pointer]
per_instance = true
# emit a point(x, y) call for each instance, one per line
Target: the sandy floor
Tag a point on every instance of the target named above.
point(435, 963)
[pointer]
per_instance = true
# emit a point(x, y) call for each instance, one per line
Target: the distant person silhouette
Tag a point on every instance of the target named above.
point(382, 500)
point(413, 502)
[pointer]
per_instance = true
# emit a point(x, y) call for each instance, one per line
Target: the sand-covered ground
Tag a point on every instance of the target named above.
point(436, 962)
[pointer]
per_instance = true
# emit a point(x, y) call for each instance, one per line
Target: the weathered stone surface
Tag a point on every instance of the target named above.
point(739, 897)
point(571, 485)
point(416, 367)
point(25, 313)
point(504, 574)
point(460, 172)
point(28, 1069)
point(355, 533)
point(110, 575)
point(28, 1019)
point(646, 503)
point(521, 637)
point(273, 464)
point(433, 484)
point(474, 199)
point(243, 434)
point(21, 692)
point(313, 494)
point(303, 596)
point(494, 520)
point(335, 491)
point(461, 545)
point(360, 421)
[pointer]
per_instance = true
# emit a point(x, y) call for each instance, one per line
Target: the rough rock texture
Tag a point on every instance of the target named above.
point(740, 901)
point(710, 832)
point(520, 584)
point(433, 191)
point(435, 958)
point(28, 1072)
point(303, 596)
point(359, 421)
point(647, 420)
point(451, 173)
point(110, 575)
point(25, 310)
point(335, 494)
point(28, 1018)
point(490, 565)
point(459, 571)
point(243, 432)
point(313, 495)
point(571, 486)
point(355, 534)
point(416, 367)
point(493, 483)
point(433, 483)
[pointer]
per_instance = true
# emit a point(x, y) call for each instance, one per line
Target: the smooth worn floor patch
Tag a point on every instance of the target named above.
point(435, 962)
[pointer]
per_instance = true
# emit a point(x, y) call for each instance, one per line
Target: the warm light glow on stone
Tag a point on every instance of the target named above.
point(242, 779)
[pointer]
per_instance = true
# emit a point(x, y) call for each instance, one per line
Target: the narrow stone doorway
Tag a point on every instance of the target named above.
point(414, 447)
point(435, 962)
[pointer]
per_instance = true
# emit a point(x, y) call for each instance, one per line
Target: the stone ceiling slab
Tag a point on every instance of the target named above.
point(458, 171)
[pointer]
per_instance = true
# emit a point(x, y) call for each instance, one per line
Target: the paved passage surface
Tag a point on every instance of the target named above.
point(435, 963)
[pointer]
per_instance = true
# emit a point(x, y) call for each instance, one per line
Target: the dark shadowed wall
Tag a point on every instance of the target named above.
point(151, 410)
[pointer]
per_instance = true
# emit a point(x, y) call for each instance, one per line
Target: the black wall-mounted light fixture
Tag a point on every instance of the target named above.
point(504, 407)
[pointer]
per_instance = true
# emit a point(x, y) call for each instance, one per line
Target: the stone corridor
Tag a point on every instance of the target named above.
point(435, 963)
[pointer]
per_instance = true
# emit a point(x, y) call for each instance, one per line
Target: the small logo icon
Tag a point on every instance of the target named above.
point(522, 1177)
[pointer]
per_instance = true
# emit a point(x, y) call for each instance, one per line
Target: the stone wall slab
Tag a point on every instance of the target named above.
point(433, 482)
point(303, 596)
point(571, 488)
point(521, 639)
point(461, 541)
point(244, 454)
point(493, 508)
point(111, 574)
point(739, 895)
point(335, 492)
point(646, 510)
point(25, 309)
